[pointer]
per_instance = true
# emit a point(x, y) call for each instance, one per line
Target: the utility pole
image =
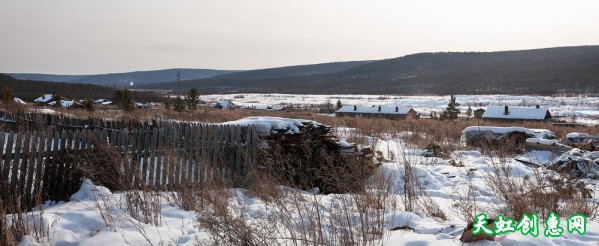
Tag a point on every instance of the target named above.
point(178, 75)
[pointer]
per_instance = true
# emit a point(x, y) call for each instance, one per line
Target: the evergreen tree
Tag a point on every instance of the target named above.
point(192, 99)
point(167, 104)
point(118, 97)
point(88, 105)
point(339, 105)
point(7, 96)
point(57, 98)
point(179, 104)
point(127, 101)
point(469, 111)
point(451, 111)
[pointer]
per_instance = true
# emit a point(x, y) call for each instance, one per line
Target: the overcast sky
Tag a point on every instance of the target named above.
point(99, 36)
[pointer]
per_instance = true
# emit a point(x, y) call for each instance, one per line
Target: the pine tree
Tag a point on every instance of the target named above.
point(192, 99)
point(339, 105)
point(451, 111)
point(57, 98)
point(88, 105)
point(179, 104)
point(167, 104)
point(118, 97)
point(469, 111)
point(7, 96)
point(127, 101)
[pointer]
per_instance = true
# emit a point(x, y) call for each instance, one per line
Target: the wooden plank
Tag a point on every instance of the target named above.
point(3, 136)
point(192, 153)
point(123, 142)
point(202, 162)
point(177, 156)
point(8, 157)
point(152, 157)
point(238, 149)
point(144, 154)
point(167, 156)
point(105, 137)
point(40, 167)
point(186, 153)
point(76, 146)
point(60, 166)
point(135, 135)
point(113, 137)
point(29, 151)
point(14, 177)
point(159, 155)
point(51, 170)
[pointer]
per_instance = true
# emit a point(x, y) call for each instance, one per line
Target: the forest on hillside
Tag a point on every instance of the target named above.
point(542, 71)
point(28, 90)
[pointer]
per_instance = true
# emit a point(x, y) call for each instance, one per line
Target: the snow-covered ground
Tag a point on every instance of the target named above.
point(584, 108)
point(95, 216)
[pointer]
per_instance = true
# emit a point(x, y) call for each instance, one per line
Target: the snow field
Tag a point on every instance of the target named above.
point(82, 220)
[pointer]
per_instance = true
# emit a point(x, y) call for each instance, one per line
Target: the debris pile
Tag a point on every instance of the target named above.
point(305, 154)
point(578, 163)
point(582, 141)
point(518, 138)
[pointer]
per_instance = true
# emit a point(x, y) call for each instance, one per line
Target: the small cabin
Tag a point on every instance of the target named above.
point(507, 113)
point(389, 112)
point(224, 104)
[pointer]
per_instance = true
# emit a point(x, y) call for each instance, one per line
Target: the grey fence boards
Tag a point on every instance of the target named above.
point(38, 163)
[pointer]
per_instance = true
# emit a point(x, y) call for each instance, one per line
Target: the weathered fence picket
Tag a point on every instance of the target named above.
point(42, 164)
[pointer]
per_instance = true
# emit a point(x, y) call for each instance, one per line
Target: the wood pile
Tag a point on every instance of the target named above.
point(313, 157)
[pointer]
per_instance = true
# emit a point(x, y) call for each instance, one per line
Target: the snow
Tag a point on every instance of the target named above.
point(95, 216)
point(19, 101)
point(374, 110)
point(580, 109)
point(44, 98)
point(266, 125)
point(265, 107)
point(543, 141)
point(498, 129)
point(44, 111)
point(515, 113)
point(80, 220)
point(577, 135)
point(65, 104)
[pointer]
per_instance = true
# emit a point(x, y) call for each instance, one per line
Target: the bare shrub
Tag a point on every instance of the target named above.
point(542, 193)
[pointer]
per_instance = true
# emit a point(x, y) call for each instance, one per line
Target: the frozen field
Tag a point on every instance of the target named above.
point(584, 108)
point(96, 216)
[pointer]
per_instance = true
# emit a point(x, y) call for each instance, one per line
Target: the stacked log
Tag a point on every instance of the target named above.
point(313, 157)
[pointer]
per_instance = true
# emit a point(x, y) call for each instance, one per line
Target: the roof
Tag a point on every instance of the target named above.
point(516, 113)
point(44, 98)
point(65, 103)
point(223, 104)
point(374, 110)
point(18, 100)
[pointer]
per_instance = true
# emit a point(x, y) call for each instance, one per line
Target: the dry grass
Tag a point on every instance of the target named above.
point(541, 193)
point(356, 218)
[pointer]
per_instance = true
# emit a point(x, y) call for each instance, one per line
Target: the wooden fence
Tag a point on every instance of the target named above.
point(35, 163)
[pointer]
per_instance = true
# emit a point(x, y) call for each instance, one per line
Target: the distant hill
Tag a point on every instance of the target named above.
point(539, 71)
point(28, 90)
point(283, 72)
point(123, 79)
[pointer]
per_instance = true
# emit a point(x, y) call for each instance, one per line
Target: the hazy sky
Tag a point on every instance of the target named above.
point(98, 36)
